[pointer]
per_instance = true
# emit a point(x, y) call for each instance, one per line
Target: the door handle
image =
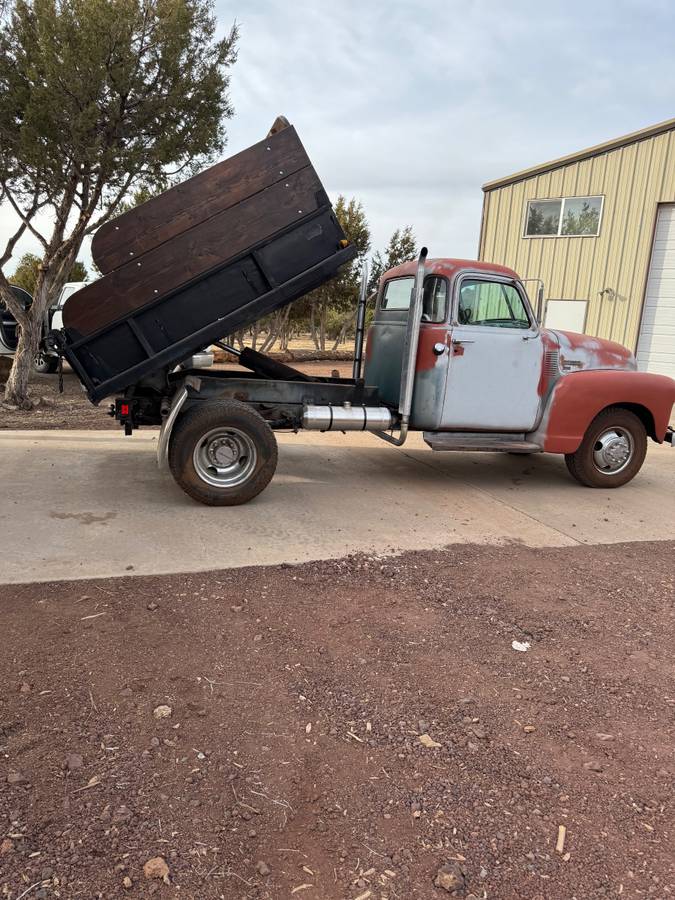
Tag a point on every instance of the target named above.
point(457, 341)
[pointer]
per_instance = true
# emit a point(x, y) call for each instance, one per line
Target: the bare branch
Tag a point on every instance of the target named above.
point(25, 217)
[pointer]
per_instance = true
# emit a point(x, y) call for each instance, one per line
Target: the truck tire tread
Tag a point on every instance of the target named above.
point(196, 421)
point(580, 463)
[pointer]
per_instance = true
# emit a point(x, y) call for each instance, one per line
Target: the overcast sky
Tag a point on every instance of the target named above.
point(412, 106)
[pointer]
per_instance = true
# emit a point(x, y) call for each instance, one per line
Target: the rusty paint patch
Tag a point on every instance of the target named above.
point(448, 268)
point(429, 335)
point(370, 340)
point(577, 399)
point(581, 351)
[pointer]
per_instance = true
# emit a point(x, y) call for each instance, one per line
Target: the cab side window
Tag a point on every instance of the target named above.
point(491, 303)
point(435, 299)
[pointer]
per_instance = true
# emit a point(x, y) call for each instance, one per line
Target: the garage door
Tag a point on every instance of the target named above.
point(656, 344)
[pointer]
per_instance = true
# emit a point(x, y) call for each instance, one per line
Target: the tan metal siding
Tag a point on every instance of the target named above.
point(634, 179)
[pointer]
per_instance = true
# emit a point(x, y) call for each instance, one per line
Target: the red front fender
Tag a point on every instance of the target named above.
point(578, 397)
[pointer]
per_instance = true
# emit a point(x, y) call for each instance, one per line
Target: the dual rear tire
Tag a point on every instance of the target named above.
point(222, 453)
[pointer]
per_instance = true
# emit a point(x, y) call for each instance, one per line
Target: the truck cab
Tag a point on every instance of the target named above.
point(488, 377)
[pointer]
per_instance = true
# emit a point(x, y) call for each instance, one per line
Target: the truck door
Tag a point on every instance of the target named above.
point(496, 355)
point(386, 337)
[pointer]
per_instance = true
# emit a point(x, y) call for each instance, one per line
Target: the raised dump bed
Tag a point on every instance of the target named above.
point(201, 260)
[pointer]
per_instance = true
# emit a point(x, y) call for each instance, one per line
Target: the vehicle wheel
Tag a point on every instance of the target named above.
point(44, 364)
point(612, 451)
point(222, 452)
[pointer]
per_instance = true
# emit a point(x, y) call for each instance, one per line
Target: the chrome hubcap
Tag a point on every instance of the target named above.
point(225, 457)
point(613, 451)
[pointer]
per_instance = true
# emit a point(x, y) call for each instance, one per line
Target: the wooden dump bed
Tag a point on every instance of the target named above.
point(199, 261)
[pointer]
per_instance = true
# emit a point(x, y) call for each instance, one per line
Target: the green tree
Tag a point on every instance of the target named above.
point(339, 295)
point(402, 247)
point(26, 272)
point(584, 222)
point(98, 99)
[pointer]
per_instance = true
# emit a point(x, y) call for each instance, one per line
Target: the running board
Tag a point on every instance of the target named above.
point(467, 440)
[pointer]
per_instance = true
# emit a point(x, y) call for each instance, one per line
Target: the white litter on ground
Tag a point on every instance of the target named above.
point(523, 646)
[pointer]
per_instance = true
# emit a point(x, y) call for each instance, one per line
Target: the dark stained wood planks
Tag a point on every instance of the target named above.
point(194, 201)
point(194, 252)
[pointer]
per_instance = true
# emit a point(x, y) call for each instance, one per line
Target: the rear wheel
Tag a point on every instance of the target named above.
point(612, 451)
point(222, 453)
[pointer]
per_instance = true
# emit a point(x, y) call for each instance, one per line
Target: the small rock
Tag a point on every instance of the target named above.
point(127, 882)
point(528, 729)
point(16, 778)
point(157, 868)
point(262, 868)
point(7, 846)
point(479, 732)
point(152, 606)
point(121, 815)
point(25, 688)
point(236, 608)
point(257, 638)
point(74, 761)
point(593, 766)
point(450, 878)
point(126, 692)
point(603, 736)
point(162, 712)
point(428, 741)
point(154, 742)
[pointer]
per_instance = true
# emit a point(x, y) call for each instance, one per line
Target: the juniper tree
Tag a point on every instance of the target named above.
point(98, 99)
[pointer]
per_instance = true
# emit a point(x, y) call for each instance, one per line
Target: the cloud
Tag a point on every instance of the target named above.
point(411, 107)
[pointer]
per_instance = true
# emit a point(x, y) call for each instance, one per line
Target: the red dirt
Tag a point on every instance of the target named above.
point(292, 759)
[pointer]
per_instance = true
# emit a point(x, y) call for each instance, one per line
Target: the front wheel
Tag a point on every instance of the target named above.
point(612, 451)
point(222, 452)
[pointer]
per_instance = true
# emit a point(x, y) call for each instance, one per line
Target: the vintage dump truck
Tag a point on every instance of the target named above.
point(455, 350)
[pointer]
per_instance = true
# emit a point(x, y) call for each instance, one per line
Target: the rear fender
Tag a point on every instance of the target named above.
point(577, 399)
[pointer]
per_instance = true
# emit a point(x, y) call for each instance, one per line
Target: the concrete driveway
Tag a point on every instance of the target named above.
point(81, 504)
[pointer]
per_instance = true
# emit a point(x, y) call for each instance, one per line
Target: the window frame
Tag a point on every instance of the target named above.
point(498, 279)
point(383, 291)
point(448, 297)
point(562, 201)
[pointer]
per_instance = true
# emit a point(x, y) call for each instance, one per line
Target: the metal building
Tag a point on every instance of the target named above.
point(597, 228)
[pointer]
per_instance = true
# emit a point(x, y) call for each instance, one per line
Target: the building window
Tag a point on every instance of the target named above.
point(566, 217)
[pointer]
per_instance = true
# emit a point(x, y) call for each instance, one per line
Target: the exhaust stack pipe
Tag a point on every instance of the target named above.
point(346, 418)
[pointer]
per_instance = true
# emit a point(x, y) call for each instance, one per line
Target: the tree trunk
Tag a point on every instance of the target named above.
point(341, 337)
point(16, 388)
point(49, 283)
point(312, 325)
point(323, 314)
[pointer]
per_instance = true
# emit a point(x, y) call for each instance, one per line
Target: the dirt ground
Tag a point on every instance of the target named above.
point(72, 408)
point(361, 728)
